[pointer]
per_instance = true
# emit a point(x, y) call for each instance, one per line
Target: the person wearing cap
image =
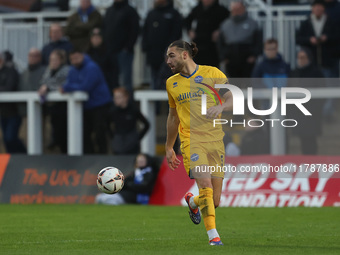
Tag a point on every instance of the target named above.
point(85, 75)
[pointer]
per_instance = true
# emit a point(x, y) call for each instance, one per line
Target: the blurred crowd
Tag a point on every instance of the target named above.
point(94, 53)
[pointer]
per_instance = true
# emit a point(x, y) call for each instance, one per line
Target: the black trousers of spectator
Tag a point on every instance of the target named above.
point(10, 130)
point(96, 124)
point(309, 145)
point(58, 113)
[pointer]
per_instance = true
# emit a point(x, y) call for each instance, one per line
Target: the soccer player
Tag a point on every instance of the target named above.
point(201, 143)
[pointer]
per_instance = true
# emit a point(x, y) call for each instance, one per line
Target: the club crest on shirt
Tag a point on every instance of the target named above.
point(198, 79)
point(194, 157)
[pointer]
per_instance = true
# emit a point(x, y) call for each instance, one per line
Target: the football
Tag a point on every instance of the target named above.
point(110, 180)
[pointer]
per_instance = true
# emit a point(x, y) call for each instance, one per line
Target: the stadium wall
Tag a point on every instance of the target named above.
point(250, 181)
point(261, 181)
point(56, 179)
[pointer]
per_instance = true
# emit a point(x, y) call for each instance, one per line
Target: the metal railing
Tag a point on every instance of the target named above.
point(34, 118)
point(147, 100)
point(18, 35)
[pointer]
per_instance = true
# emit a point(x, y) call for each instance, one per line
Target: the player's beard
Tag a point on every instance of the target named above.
point(178, 68)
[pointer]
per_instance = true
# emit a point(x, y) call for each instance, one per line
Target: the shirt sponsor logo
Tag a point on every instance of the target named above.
point(190, 95)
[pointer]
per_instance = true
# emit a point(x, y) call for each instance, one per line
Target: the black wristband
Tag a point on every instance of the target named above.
point(222, 91)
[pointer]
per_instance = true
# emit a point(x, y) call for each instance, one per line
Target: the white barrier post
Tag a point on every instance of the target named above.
point(148, 144)
point(277, 134)
point(74, 125)
point(34, 130)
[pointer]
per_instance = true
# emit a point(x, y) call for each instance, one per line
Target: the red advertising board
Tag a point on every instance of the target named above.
point(54, 179)
point(283, 181)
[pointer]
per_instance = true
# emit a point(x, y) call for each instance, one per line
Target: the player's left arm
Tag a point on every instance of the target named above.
point(227, 105)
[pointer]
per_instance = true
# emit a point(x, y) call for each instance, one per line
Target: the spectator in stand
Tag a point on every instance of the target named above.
point(164, 73)
point(121, 27)
point(162, 26)
point(85, 75)
point(53, 79)
point(138, 185)
point(309, 127)
point(49, 5)
point(239, 42)
point(10, 119)
point(57, 41)
point(99, 55)
point(270, 71)
point(332, 8)
point(271, 67)
point(81, 23)
point(319, 34)
point(203, 25)
point(125, 117)
point(31, 77)
point(9, 61)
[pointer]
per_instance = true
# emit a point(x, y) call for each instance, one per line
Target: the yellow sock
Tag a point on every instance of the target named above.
point(196, 200)
point(206, 204)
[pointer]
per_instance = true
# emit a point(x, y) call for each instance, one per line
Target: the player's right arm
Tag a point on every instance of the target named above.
point(171, 136)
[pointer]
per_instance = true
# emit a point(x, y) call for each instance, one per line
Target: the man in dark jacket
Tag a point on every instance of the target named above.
point(203, 25)
point(10, 120)
point(162, 26)
point(239, 42)
point(57, 41)
point(271, 67)
point(98, 53)
point(85, 75)
point(318, 33)
point(81, 23)
point(309, 127)
point(130, 125)
point(31, 77)
point(121, 26)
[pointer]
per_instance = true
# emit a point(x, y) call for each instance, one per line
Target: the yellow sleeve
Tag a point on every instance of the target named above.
point(220, 77)
point(172, 103)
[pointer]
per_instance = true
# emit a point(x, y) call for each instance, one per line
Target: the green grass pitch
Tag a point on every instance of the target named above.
point(99, 229)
